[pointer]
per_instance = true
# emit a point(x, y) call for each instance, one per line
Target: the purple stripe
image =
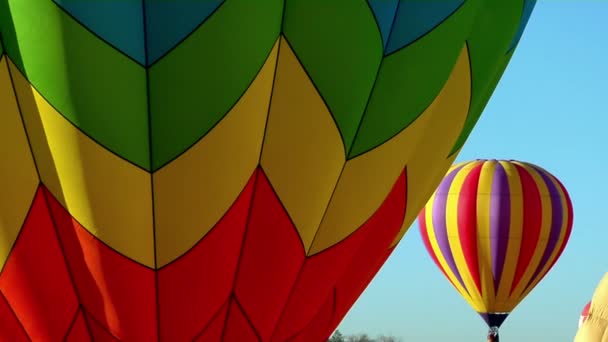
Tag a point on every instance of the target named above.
point(500, 220)
point(440, 224)
point(556, 222)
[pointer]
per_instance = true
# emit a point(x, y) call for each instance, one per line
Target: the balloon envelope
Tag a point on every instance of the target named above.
point(495, 228)
point(224, 170)
point(595, 327)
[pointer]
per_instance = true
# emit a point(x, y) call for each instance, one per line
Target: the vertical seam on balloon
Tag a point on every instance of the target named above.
point(74, 319)
point(151, 174)
point(226, 305)
point(257, 172)
point(40, 189)
point(86, 28)
point(3, 298)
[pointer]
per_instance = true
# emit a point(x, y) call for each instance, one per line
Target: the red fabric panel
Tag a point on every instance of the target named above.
point(115, 290)
point(194, 287)
point(531, 224)
point(467, 223)
point(270, 262)
point(35, 281)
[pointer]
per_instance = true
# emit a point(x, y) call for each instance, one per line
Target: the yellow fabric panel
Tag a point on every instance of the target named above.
point(193, 192)
point(440, 256)
point(454, 236)
point(504, 302)
point(428, 164)
point(18, 176)
point(303, 152)
point(368, 178)
point(484, 244)
point(107, 195)
point(595, 328)
point(545, 231)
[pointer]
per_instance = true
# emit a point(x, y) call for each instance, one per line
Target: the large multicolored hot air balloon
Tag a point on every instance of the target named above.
point(595, 326)
point(224, 170)
point(495, 228)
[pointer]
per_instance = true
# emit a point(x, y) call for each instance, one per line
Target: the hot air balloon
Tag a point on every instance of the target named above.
point(595, 326)
point(584, 314)
point(224, 170)
point(495, 228)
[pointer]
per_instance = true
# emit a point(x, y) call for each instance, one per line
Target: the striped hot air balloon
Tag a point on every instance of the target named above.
point(495, 228)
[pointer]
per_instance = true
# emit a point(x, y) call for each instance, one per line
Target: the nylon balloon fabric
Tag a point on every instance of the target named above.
point(495, 228)
point(224, 170)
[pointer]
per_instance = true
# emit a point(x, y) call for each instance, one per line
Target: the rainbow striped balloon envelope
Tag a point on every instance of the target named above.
point(238, 170)
point(495, 228)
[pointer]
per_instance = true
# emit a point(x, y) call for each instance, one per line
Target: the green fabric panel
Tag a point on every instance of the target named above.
point(339, 45)
point(97, 88)
point(194, 86)
point(410, 79)
point(488, 44)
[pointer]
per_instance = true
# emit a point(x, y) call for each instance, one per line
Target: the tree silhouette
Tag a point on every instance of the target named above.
point(339, 337)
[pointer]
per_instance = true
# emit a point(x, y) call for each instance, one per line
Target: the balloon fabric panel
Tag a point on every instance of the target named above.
point(200, 174)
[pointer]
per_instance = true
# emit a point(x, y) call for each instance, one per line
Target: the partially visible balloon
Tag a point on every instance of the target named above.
point(584, 314)
point(495, 228)
point(225, 170)
point(595, 327)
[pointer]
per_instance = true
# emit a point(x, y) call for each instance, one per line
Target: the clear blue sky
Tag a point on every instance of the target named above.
point(551, 109)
